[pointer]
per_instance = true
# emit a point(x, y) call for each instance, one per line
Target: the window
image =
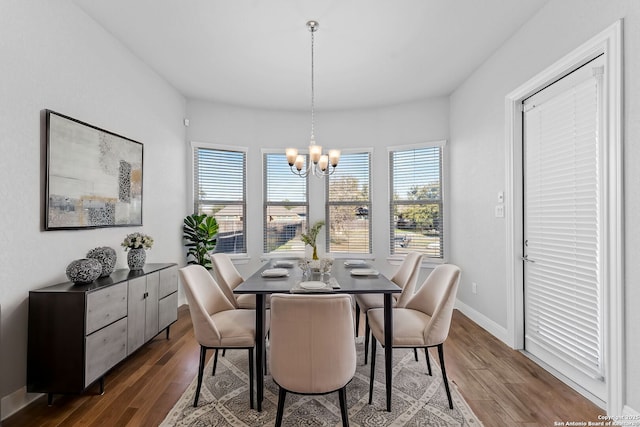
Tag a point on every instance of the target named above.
point(416, 200)
point(349, 205)
point(286, 205)
point(219, 189)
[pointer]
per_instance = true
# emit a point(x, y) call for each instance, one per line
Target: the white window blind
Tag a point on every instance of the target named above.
point(286, 205)
point(349, 205)
point(219, 183)
point(416, 205)
point(562, 222)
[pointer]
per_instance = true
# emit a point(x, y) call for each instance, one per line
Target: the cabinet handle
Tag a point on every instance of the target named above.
point(146, 294)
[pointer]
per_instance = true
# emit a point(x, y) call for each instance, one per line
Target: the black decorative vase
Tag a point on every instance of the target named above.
point(136, 258)
point(84, 270)
point(107, 258)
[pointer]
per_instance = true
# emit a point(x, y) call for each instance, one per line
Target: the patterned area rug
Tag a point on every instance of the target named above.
point(417, 399)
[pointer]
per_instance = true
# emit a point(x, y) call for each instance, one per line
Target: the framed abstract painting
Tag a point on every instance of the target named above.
point(93, 176)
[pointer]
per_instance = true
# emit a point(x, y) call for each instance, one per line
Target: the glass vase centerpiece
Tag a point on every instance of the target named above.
point(137, 244)
point(315, 269)
point(310, 237)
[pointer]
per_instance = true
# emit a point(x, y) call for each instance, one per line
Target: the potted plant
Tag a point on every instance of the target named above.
point(309, 238)
point(200, 231)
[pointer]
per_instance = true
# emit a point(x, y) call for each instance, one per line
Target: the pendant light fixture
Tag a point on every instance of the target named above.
point(319, 164)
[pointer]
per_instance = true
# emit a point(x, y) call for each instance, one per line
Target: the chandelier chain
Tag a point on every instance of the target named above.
point(312, 89)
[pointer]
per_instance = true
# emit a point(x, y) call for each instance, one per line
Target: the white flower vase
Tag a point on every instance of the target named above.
point(136, 258)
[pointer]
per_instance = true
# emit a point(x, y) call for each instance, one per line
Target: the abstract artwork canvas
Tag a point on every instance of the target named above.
point(93, 178)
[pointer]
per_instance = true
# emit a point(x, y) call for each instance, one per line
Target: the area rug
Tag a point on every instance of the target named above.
point(417, 399)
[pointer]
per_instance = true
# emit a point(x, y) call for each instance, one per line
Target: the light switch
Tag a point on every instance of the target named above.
point(499, 211)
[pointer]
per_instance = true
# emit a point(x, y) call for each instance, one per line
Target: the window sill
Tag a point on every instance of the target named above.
point(240, 258)
point(430, 263)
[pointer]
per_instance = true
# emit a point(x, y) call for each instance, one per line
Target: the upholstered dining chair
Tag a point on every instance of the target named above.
point(311, 346)
point(424, 321)
point(217, 323)
point(229, 278)
point(405, 277)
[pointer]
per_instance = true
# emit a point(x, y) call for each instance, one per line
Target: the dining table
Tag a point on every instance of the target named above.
point(345, 277)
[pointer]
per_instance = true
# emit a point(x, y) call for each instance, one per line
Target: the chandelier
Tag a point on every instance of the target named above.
point(319, 163)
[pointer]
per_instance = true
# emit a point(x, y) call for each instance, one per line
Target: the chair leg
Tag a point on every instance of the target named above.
point(224, 352)
point(251, 378)
point(426, 355)
point(281, 397)
point(203, 353)
point(373, 369)
point(415, 353)
point(357, 318)
point(215, 362)
point(342, 394)
point(444, 374)
point(367, 333)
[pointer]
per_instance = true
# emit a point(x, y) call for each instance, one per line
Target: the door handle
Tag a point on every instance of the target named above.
point(526, 259)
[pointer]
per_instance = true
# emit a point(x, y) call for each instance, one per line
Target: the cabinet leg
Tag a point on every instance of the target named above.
point(50, 399)
point(101, 386)
point(168, 331)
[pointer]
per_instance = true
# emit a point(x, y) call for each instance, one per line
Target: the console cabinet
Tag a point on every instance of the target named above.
point(77, 333)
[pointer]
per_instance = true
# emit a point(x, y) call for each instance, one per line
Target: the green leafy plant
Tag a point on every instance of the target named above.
point(309, 238)
point(200, 233)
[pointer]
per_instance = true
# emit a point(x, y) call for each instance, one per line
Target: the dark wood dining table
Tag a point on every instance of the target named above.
point(349, 284)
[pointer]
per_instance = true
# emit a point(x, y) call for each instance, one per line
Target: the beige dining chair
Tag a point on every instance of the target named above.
point(405, 277)
point(311, 346)
point(229, 278)
point(424, 322)
point(217, 323)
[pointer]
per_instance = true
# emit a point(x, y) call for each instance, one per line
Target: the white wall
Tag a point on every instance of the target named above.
point(53, 56)
point(478, 153)
point(375, 128)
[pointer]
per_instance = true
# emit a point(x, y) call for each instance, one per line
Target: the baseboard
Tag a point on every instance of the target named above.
point(484, 322)
point(17, 400)
point(632, 414)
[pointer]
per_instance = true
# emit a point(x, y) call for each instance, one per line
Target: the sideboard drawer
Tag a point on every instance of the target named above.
point(168, 281)
point(106, 306)
point(167, 310)
point(105, 349)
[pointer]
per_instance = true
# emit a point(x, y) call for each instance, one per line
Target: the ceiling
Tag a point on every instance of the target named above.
point(257, 53)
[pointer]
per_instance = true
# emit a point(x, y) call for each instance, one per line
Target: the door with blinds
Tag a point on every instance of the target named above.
point(563, 220)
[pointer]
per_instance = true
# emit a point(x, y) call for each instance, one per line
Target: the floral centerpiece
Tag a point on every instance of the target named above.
point(136, 244)
point(309, 238)
point(137, 241)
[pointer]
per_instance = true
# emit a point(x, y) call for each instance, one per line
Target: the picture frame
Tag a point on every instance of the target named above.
point(93, 176)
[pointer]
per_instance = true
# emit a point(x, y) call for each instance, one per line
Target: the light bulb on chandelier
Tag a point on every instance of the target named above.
point(318, 163)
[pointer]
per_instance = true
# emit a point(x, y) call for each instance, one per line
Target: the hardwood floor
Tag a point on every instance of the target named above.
point(503, 387)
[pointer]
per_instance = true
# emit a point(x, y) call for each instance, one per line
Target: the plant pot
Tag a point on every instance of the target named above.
point(136, 258)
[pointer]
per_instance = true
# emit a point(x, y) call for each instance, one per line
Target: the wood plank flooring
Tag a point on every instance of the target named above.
point(503, 387)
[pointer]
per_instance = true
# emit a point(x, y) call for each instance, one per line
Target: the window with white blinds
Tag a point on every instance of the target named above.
point(348, 207)
point(219, 183)
point(563, 307)
point(416, 205)
point(286, 205)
